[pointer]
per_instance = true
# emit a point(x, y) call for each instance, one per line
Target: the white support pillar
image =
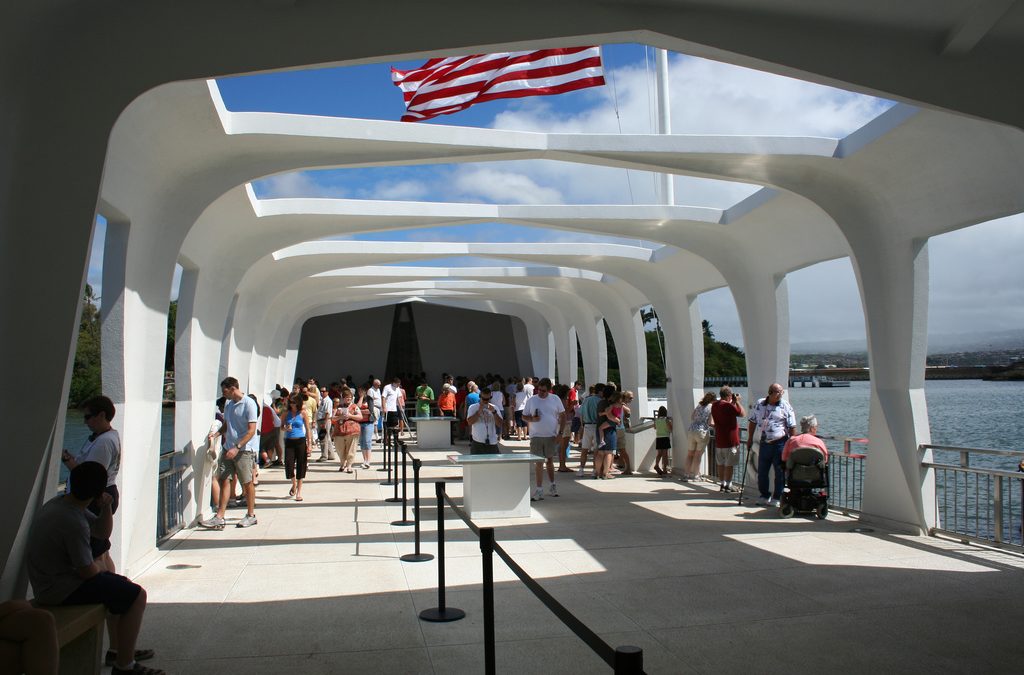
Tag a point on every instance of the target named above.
point(185, 440)
point(893, 278)
point(136, 291)
point(636, 351)
point(763, 305)
point(684, 356)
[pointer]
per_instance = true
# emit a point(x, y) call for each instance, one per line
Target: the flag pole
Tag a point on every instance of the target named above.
point(668, 196)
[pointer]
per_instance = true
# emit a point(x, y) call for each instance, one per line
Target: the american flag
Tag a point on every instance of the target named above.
point(445, 86)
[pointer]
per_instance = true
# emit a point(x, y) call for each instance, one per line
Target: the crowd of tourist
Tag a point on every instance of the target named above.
point(68, 558)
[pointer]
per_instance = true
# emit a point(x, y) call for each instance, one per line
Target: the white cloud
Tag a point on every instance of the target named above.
point(976, 279)
point(408, 190)
point(297, 184)
point(489, 184)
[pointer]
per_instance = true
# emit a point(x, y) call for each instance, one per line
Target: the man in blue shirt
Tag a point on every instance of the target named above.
point(238, 459)
point(773, 421)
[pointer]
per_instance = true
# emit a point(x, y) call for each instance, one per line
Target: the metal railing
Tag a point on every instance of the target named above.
point(846, 476)
point(978, 503)
point(170, 498)
point(845, 471)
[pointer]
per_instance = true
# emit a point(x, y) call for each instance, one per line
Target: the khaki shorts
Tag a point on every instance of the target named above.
point(727, 456)
point(589, 441)
point(544, 446)
point(241, 466)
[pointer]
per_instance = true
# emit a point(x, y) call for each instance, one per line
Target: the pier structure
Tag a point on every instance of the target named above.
point(153, 149)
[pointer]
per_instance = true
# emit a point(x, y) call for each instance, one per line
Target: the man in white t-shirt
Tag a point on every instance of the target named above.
point(393, 397)
point(378, 404)
point(528, 386)
point(324, 413)
point(544, 413)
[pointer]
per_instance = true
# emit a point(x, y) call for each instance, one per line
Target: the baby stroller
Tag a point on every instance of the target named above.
point(806, 489)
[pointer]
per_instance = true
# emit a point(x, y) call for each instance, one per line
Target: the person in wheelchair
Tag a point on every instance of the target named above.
point(807, 438)
point(805, 461)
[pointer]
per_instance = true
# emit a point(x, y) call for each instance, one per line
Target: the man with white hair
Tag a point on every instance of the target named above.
point(807, 438)
point(772, 421)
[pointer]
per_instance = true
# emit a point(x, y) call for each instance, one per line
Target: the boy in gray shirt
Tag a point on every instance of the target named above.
point(62, 569)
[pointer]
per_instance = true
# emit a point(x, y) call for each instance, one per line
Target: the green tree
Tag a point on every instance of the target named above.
point(721, 358)
point(86, 375)
point(172, 320)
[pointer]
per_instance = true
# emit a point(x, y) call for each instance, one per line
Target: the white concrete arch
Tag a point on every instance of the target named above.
point(837, 41)
point(283, 309)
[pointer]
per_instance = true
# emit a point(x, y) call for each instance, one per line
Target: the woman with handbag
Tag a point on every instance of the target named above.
point(346, 424)
point(366, 424)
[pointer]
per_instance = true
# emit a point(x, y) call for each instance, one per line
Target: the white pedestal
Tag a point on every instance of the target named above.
point(433, 433)
point(496, 486)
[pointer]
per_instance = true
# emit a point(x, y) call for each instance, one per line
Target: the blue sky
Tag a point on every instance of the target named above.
point(972, 288)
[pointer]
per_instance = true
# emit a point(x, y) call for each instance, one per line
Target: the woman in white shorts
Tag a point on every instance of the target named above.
point(697, 435)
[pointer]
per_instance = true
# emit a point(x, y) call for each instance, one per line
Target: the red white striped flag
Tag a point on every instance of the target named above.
point(445, 86)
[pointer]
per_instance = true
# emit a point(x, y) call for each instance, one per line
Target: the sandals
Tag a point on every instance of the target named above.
point(298, 498)
point(140, 655)
point(137, 669)
point(291, 493)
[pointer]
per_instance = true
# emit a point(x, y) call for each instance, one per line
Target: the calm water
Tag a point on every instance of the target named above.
point(971, 413)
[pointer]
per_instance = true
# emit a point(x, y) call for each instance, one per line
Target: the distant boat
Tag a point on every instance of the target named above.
point(830, 382)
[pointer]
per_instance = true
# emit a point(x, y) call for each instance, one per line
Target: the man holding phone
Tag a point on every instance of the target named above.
point(484, 420)
point(544, 413)
point(726, 412)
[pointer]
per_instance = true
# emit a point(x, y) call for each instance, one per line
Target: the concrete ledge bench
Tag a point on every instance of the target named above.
point(80, 636)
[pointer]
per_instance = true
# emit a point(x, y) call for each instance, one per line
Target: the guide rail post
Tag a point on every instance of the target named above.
point(441, 613)
point(416, 556)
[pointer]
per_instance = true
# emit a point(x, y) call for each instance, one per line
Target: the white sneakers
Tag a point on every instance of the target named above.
point(553, 491)
point(773, 503)
point(538, 495)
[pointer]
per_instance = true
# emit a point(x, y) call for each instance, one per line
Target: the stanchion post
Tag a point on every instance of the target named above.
point(487, 557)
point(629, 660)
point(405, 517)
point(416, 556)
point(441, 613)
point(390, 440)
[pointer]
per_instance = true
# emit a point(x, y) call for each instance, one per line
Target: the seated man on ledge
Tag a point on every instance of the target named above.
point(62, 569)
point(807, 438)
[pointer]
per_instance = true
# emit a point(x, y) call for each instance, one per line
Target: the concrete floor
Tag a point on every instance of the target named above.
point(701, 584)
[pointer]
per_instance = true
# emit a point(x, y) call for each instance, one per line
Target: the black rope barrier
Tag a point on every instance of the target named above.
point(624, 660)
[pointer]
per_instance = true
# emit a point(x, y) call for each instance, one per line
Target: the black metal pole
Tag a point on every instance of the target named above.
point(629, 660)
point(416, 556)
point(487, 554)
point(384, 442)
point(441, 613)
point(389, 449)
point(405, 518)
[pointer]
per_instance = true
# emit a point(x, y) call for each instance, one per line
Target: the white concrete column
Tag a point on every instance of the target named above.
point(762, 301)
point(636, 353)
point(893, 278)
point(137, 275)
point(684, 356)
point(184, 408)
